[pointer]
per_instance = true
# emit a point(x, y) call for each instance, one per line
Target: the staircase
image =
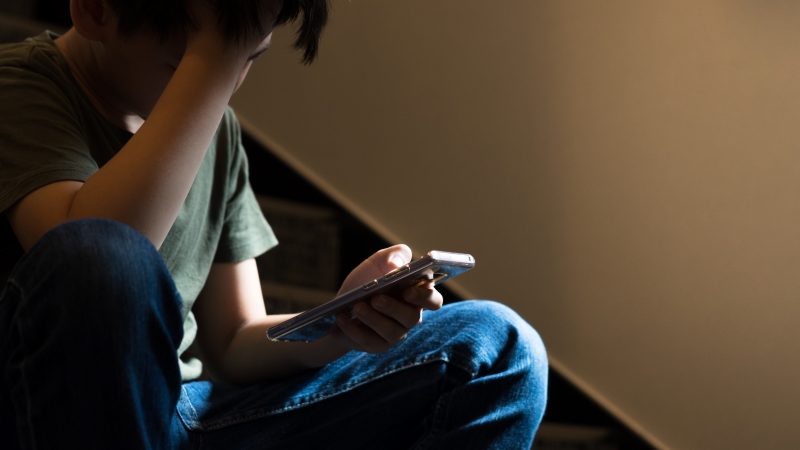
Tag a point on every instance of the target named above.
point(321, 242)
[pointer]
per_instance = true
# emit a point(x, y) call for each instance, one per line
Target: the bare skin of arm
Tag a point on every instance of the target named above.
point(232, 322)
point(146, 183)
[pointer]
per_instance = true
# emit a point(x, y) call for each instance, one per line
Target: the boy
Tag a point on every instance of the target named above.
point(123, 182)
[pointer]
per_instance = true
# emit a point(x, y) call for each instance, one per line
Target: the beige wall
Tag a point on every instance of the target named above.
point(626, 174)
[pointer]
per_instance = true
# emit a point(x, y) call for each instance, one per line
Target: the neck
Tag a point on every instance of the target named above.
point(82, 61)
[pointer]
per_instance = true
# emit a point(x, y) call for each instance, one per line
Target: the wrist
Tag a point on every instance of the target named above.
point(203, 75)
point(215, 50)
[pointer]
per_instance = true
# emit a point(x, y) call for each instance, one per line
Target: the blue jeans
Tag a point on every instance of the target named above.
point(90, 324)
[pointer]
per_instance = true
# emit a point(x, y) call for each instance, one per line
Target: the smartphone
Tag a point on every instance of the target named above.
point(435, 267)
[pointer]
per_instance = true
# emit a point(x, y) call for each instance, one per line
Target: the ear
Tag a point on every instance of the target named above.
point(92, 18)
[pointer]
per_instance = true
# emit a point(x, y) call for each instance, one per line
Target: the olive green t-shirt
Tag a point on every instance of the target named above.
point(50, 131)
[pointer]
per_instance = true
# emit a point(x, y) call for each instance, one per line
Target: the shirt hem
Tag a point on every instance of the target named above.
point(38, 180)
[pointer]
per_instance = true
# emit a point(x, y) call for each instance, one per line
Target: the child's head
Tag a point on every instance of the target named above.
point(238, 18)
point(136, 45)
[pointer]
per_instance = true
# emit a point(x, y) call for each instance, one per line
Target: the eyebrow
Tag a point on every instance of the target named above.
point(258, 53)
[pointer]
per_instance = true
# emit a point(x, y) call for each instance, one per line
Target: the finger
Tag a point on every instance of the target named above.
point(425, 296)
point(390, 258)
point(386, 327)
point(364, 337)
point(404, 313)
point(376, 266)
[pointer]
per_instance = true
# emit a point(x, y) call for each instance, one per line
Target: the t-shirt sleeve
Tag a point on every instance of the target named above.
point(40, 137)
point(245, 232)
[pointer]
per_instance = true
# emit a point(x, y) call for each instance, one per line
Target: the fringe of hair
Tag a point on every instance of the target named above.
point(238, 19)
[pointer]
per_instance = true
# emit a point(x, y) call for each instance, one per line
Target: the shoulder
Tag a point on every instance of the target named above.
point(16, 54)
point(225, 153)
point(229, 135)
point(229, 126)
point(33, 54)
point(34, 69)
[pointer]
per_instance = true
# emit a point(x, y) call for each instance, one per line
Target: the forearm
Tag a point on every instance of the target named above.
point(146, 183)
point(251, 356)
point(232, 322)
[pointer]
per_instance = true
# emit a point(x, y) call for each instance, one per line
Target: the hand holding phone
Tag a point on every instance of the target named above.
point(431, 269)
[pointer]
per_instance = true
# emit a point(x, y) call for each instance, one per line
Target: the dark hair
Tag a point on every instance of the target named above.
point(238, 19)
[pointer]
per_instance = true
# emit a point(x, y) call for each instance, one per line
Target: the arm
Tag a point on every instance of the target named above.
point(232, 322)
point(232, 325)
point(146, 183)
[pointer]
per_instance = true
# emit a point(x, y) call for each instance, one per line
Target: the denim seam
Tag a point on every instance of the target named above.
point(464, 368)
point(440, 411)
point(197, 441)
point(347, 388)
point(184, 401)
point(436, 423)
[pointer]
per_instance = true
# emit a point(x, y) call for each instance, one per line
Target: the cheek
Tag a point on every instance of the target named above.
point(242, 76)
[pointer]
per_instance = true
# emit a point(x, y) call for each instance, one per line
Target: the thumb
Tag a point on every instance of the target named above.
point(393, 257)
point(381, 262)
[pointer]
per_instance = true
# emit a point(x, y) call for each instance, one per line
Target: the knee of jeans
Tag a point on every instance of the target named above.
point(96, 259)
point(89, 243)
point(497, 332)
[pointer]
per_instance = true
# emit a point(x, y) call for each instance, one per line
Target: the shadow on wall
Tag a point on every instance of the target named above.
point(300, 213)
